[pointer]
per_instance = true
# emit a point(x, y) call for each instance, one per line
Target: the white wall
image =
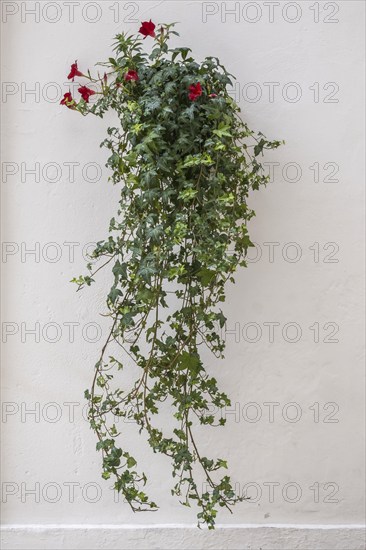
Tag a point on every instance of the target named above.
point(316, 202)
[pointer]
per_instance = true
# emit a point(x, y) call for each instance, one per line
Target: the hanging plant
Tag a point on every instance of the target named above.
point(185, 163)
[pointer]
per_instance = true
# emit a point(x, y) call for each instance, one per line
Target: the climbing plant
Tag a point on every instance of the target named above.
point(184, 162)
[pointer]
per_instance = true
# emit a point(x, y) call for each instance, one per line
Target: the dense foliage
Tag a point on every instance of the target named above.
point(185, 163)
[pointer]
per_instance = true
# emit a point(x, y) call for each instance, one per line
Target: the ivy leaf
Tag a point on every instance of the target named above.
point(222, 130)
point(206, 276)
point(120, 270)
point(146, 272)
point(154, 233)
point(221, 319)
point(259, 147)
point(222, 463)
point(131, 462)
point(114, 293)
point(190, 362)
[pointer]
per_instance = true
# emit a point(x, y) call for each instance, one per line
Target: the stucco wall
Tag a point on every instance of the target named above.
point(293, 364)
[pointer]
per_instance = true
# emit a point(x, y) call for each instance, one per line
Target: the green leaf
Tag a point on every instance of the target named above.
point(206, 276)
point(190, 362)
point(131, 462)
point(113, 294)
point(223, 130)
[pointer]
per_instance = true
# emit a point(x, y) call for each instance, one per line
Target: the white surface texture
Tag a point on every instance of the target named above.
point(293, 367)
point(229, 537)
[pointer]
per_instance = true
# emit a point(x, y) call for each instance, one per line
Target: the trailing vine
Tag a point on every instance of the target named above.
point(185, 163)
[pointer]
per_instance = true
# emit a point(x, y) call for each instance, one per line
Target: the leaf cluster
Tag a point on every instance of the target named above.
point(185, 169)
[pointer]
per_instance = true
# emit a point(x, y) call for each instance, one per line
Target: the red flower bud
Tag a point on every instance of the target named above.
point(74, 71)
point(147, 29)
point(195, 91)
point(212, 96)
point(86, 93)
point(131, 75)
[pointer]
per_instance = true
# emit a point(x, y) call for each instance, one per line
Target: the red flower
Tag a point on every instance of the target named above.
point(147, 28)
point(74, 71)
point(212, 96)
point(86, 93)
point(195, 91)
point(131, 75)
point(68, 100)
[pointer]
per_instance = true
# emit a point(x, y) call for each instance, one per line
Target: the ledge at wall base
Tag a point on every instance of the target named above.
point(183, 537)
